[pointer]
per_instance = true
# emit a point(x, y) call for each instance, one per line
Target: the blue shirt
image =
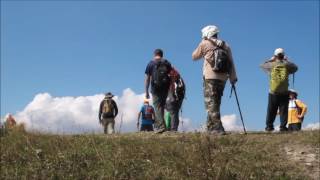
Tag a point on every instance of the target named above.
point(144, 120)
point(149, 68)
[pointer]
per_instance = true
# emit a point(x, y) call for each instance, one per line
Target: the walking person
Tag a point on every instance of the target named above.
point(10, 122)
point(296, 112)
point(278, 68)
point(174, 100)
point(218, 67)
point(147, 117)
point(157, 74)
point(107, 112)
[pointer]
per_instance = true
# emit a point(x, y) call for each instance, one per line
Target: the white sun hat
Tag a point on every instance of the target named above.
point(278, 51)
point(209, 31)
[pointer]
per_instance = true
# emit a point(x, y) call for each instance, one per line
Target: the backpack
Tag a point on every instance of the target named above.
point(177, 85)
point(279, 76)
point(107, 109)
point(179, 89)
point(220, 61)
point(160, 75)
point(148, 111)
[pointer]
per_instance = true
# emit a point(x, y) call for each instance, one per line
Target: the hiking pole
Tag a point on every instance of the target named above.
point(120, 123)
point(235, 93)
point(293, 81)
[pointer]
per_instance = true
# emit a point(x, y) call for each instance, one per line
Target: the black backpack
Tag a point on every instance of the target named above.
point(220, 62)
point(160, 75)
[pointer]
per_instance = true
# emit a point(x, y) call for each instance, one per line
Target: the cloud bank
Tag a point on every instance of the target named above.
point(72, 115)
point(312, 126)
point(230, 123)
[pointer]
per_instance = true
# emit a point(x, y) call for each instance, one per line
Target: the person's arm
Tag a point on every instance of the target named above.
point(292, 68)
point(100, 111)
point(267, 66)
point(153, 115)
point(115, 108)
point(303, 108)
point(198, 52)
point(232, 74)
point(138, 119)
point(147, 84)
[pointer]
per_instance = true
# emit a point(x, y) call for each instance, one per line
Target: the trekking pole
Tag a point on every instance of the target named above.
point(293, 81)
point(235, 93)
point(120, 123)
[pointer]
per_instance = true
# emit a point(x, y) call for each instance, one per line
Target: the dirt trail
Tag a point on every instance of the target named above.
point(306, 157)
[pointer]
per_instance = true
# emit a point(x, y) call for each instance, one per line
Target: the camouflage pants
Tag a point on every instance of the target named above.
point(213, 91)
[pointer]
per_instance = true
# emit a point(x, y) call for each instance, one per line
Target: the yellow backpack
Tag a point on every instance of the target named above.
point(279, 76)
point(108, 108)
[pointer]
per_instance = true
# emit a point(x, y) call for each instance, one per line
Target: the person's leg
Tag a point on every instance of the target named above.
point(174, 120)
point(283, 107)
point(110, 125)
point(271, 111)
point(149, 127)
point(213, 91)
point(299, 126)
point(295, 126)
point(105, 125)
point(143, 127)
point(159, 100)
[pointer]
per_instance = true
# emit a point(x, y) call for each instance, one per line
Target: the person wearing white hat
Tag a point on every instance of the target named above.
point(218, 67)
point(296, 112)
point(278, 68)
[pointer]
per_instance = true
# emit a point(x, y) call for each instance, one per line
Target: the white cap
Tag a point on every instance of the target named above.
point(293, 91)
point(278, 51)
point(209, 31)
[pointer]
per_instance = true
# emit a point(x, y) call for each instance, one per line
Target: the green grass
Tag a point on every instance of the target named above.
point(151, 156)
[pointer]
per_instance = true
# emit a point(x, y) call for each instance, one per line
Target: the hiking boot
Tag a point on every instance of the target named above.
point(269, 129)
point(283, 129)
point(161, 130)
point(217, 132)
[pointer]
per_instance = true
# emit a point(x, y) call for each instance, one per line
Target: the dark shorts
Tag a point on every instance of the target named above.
point(294, 127)
point(146, 127)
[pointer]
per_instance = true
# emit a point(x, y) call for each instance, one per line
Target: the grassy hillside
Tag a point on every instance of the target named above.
point(166, 156)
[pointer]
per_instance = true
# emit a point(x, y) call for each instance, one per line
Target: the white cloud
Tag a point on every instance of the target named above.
point(80, 114)
point(312, 126)
point(185, 125)
point(230, 123)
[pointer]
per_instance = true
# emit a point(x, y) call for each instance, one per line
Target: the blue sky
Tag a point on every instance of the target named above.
point(83, 48)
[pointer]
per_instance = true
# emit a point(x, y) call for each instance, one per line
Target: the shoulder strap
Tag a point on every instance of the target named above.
point(295, 102)
point(215, 44)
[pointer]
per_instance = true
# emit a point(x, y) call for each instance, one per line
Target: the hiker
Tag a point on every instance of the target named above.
point(296, 112)
point(147, 117)
point(157, 74)
point(10, 122)
point(218, 67)
point(107, 113)
point(174, 100)
point(279, 68)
